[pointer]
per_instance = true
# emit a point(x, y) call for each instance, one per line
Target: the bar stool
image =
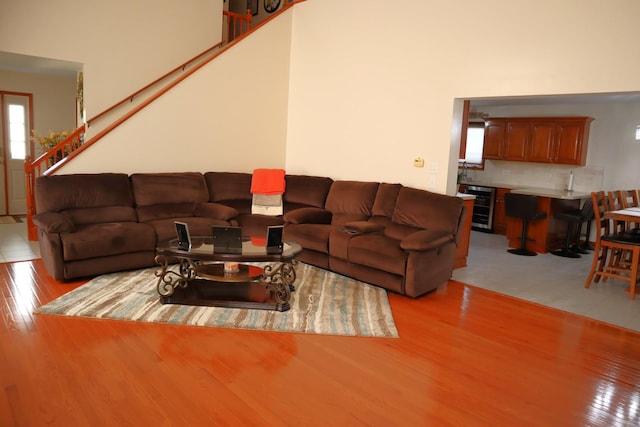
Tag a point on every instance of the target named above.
point(524, 207)
point(572, 218)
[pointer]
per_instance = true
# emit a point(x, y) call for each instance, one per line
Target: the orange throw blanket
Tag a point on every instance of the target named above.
point(268, 181)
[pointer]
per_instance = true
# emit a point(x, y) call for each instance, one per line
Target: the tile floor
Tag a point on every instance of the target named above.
point(15, 245)
point(545, 279)
point(548, 280)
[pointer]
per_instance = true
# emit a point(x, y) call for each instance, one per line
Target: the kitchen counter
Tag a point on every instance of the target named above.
point(535, 191)
point(554, 194)
point(464, 196)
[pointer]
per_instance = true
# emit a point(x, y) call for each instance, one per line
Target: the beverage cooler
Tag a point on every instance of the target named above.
point(484, 204)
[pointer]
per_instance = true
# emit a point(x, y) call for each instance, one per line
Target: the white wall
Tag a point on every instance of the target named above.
point(373, 86)
point(123, 45)
point(229, 116)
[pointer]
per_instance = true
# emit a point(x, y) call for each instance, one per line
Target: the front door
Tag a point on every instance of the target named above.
point(16, 108)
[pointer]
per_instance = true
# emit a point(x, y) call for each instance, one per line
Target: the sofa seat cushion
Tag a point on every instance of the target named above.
point(99, 240)
point(310, 236)
point(198, 226)
point(101, 215)
point(379, 252)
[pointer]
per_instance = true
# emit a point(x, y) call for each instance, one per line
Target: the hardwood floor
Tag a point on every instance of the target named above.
point(465, 357)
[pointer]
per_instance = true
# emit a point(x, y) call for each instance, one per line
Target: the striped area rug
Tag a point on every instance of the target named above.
point(323, 303)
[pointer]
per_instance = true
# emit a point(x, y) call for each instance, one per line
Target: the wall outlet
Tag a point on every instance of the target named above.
point(432, 182)
point(506, 171)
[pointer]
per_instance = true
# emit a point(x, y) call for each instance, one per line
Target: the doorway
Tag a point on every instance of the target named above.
point(16, 118)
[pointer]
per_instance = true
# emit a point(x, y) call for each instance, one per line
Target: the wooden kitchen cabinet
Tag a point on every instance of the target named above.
point(494, 140)
point(499, 216)
point(560, 140)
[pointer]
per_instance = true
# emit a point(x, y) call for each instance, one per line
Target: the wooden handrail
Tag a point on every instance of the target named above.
point(75, 146)
point(33, 169)
point(153, 83)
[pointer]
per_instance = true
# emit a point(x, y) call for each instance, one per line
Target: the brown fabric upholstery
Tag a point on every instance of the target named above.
point(400, 238)
point(351, 201)
point(60, 192)
point(304, 190)
point(169, 188)
point(424, 209)
point(113, 238)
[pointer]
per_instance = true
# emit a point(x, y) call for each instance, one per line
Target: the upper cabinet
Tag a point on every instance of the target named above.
point(561, 140)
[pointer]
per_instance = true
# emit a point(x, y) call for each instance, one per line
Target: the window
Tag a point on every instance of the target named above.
point(475, 143)
point(17, 132)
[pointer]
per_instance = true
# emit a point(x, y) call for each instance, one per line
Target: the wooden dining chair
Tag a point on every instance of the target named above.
point(610, 243)
point(628, 198)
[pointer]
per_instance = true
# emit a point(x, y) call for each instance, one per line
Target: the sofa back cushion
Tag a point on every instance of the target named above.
point(57, 193)
point(427, 210)
point(231, 189)
point(168, 195)
point(305, 191)
point(165, 188)
point(351, 201)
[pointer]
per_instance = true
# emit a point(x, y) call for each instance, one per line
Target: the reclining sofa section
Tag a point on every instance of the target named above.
point(400, 238)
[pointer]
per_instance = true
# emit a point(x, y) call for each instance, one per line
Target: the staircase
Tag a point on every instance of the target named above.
point(236, 27)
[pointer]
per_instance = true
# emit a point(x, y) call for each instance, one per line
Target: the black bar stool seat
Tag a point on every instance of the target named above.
point(524, 207)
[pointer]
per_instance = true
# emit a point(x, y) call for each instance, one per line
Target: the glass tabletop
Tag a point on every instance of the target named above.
point(251, 248)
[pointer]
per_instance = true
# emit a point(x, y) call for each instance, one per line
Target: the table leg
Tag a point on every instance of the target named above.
point(169, 280)
point(278, 279)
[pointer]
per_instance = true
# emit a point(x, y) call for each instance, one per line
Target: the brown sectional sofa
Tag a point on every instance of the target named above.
point(400, 238)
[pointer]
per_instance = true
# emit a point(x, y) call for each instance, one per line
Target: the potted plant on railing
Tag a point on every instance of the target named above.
point(48, 142)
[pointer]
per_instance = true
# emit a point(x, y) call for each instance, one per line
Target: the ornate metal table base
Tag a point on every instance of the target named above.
point(196, 283)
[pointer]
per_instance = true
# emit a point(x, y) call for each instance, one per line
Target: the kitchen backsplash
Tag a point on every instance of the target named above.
point(539, 175)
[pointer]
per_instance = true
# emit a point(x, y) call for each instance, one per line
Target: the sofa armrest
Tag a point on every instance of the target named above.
point(216, 211)
point(308, 216)
point(54, 222)
point(425, 240)
point(361, 227)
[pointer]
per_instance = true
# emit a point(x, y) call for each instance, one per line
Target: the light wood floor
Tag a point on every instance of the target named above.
point(465, 357)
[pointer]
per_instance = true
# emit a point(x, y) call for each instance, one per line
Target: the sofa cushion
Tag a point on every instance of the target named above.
point(308, 216)
point(168, 188)
point(163, 211)
point(198, 226)
point(385, 201)
point(216, 211)
point(399, 231)
point(379, 252)
point(224, 186)
point(310, 236)
point(304, 190)
point(54, 222)
point(427, 210)
point(55, 193)
point(106, 239)
point(425, 240)
point(100, 215)
point(351, 201)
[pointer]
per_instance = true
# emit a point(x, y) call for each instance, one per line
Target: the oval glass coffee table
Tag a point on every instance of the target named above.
point(203, 277)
